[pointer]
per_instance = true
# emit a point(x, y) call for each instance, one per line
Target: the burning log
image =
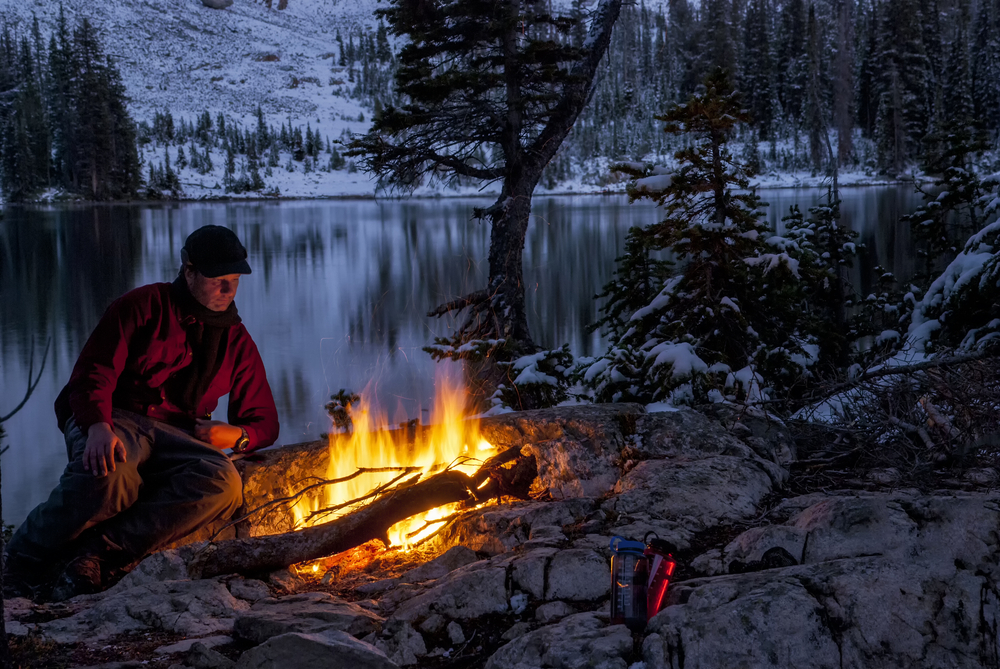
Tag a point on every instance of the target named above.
point(372, 521)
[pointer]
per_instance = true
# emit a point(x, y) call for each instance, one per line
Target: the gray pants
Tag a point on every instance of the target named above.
point(170, 485)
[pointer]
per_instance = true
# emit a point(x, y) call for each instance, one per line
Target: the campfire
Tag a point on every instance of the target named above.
point(400, 486)
point(373, 457)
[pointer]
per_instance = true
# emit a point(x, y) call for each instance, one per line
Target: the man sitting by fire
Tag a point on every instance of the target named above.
point(146, 465)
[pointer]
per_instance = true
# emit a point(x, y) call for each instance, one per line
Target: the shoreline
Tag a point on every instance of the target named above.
point(437, 195)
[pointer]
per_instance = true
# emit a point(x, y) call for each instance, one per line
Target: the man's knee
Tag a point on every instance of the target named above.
point(224, 485)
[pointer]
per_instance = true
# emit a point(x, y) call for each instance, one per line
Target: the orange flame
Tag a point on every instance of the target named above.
point(449, 441)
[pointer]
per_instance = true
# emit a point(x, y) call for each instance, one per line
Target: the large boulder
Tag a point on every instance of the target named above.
point(890, 580)
point(305, 613)
point(577, 641)
point(314, 651)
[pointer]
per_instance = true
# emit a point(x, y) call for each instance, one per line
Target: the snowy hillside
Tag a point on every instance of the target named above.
point(183, 56)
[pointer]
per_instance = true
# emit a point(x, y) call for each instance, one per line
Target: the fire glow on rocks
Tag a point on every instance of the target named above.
point(387, 457)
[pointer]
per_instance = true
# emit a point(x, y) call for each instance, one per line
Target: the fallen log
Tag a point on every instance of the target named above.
point(267, 553)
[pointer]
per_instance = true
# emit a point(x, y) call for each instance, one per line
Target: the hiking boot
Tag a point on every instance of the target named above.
point(82, 576)
point(22, 577)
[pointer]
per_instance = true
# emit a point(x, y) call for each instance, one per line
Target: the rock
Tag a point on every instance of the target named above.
point(701, 492)
point(433, 624)
point(306, 613)
point(401, 643)
point(217, 4)
point(580, 640)
point(518, 630)
point(684, 434)
point(203, 657)
point(185, 645)
point(570, 468)
point(454, 557)
point(322, 650)
point(188, 608)
point(894, 580)
point(466, 593)
point(249, 589)
point(498, 529)
point(605, 424)
point(578, 575)
point(752, 544)
point(765, 433)
point(547, 613)
point(455, 633)
point(168, 565)
point(285, 580)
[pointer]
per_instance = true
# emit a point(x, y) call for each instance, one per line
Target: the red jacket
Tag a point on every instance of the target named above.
point(138, 344)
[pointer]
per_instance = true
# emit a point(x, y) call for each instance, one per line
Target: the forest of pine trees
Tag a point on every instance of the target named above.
point(63, 117)
point(866, 84)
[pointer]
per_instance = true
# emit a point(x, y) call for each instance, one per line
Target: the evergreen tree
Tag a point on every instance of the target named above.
point(824, 250)
point(229, 176)
point(756, 82)
point(500, 75)
point(985, 65)
point(708, 330)
point(255, 182)
point(791, 62)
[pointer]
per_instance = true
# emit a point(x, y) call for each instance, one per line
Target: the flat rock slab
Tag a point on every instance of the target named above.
point(580, 640)
point(314, 651)
point(188, 608)
point(306, 613)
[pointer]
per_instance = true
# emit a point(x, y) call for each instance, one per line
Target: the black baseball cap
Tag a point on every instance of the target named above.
point(215, 251)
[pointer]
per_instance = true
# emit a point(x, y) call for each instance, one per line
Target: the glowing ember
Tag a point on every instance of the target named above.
point(449, 441)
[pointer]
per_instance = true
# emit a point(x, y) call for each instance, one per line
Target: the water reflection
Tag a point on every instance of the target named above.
point(338, 297)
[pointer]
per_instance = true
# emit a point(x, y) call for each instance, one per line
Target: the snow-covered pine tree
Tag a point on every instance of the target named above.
point(725, 323)
point(952, 209)
point(824, 250)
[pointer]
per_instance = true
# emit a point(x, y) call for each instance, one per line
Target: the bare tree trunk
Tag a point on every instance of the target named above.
point(843, 91)
point(6, 661)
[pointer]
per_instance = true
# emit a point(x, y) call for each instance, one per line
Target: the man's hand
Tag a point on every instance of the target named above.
point(217, 433)
point(102, 447)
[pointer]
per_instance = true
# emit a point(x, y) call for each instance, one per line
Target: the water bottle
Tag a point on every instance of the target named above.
point(629, 575)
point(661, 567)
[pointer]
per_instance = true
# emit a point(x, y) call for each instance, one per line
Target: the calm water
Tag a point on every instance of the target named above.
point(337, 299)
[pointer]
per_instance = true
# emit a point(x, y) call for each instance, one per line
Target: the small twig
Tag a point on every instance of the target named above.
point(374, 492)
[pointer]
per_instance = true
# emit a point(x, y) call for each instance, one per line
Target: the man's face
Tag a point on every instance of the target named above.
point(215, 293)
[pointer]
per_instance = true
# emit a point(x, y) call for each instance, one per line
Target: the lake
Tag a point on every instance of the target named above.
point(338, 296)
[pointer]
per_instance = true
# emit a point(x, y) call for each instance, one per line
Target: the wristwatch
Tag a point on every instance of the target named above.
point(243, 442)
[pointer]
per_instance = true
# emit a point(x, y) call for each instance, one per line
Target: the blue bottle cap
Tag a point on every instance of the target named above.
point(623, 545)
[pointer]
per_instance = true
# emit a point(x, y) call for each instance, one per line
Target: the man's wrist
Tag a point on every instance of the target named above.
point(242, 442)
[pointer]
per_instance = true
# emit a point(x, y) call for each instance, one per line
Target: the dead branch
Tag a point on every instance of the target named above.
point(469, 300)
point(910, 428)
point(372, 521)
point(902, 370)
point(31, 384)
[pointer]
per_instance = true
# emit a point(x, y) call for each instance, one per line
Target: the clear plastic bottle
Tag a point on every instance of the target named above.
point(629, 573)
